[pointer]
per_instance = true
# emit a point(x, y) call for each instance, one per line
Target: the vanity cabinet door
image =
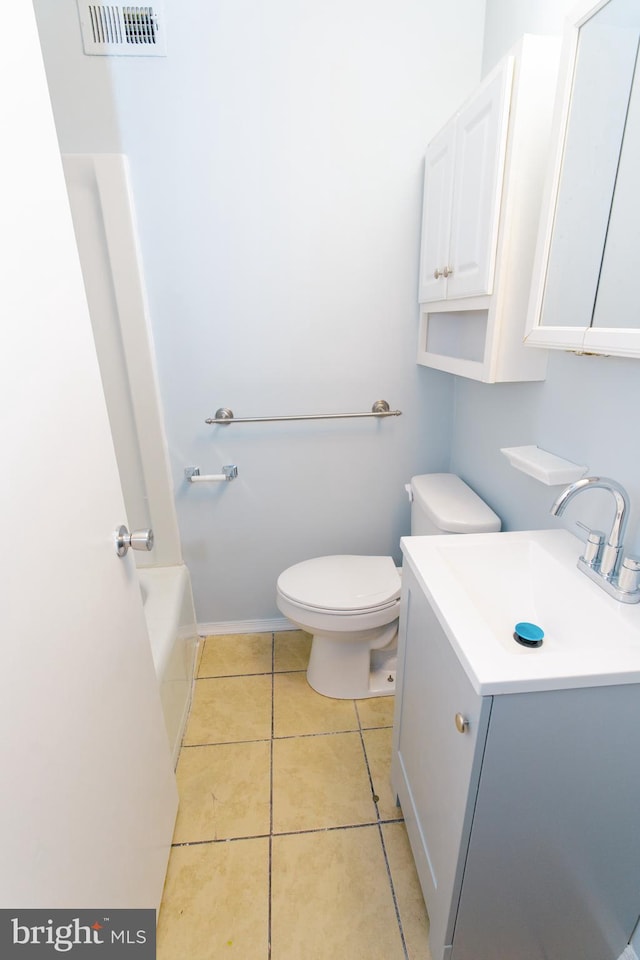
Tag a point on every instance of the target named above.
point(435, 767)
point(553, 865)
point(464, 170)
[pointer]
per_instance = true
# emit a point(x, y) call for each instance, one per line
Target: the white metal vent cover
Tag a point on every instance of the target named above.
point(117, 29)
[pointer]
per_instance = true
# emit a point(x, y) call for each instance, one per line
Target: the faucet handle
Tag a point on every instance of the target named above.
point(629, 577)
point(593, 546)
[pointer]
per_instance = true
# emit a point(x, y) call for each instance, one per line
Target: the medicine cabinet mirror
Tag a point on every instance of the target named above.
point(586, 282)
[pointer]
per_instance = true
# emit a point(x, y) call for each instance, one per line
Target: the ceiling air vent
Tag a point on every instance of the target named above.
point(116, 29)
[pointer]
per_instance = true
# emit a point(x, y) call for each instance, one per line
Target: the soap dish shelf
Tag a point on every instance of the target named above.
point(543, 466)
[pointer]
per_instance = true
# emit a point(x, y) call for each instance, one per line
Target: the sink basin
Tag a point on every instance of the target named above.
point(511, 580)
point(481, 585)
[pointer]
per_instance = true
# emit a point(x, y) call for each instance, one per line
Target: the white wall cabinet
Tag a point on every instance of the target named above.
point(523, 821)
point(463, 182)
point(483, 185)
point(584, 295)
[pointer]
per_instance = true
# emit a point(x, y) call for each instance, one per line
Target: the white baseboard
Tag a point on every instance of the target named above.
point(244, 626)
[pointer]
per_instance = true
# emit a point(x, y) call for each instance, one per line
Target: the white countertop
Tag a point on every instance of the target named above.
point(480, 585)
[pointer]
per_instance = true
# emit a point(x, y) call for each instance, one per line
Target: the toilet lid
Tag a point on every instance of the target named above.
point(344, 583)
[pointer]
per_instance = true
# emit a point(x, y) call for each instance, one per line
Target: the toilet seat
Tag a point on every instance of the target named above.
point(342, 585)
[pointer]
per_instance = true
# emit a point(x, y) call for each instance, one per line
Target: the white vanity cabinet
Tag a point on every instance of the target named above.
point(482, 191)
point(521, 808)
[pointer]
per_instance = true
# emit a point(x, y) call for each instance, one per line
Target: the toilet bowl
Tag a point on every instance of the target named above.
point(350, 604)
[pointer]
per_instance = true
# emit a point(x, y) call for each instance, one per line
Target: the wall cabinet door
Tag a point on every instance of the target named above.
point(481, 143)
point(464, 169)
point(435, 766)
point(436, 215)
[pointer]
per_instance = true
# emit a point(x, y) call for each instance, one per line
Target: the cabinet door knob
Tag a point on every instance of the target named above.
point(462, 724)
point(437, 274)
point(447, 272)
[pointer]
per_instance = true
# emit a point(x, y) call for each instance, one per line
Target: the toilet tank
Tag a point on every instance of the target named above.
point(443, 503)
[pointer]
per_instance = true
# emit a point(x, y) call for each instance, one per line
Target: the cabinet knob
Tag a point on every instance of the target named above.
point(462, 724)
point(447, 272)
point(437, 274)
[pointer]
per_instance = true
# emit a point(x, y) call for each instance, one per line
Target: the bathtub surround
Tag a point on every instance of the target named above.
point(105, 227)
point(168, 611)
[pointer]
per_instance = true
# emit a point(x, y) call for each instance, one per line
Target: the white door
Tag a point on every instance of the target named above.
point(436, 215)
point(88, 796)
point(480, 153)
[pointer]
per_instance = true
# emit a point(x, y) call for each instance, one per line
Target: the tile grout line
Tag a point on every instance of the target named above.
point(393, 892)
point(288, 736)
point(286, 833)
point(381, 836)
point(257, 673)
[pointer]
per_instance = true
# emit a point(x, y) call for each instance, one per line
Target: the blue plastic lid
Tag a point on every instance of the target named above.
point(528, 632)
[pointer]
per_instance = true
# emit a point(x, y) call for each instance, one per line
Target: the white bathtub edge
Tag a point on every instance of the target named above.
point(171, 621)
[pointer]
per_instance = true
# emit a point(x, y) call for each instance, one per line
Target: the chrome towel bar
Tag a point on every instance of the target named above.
point(379, 409)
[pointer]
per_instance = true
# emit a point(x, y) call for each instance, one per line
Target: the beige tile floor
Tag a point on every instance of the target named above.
point(288, 843)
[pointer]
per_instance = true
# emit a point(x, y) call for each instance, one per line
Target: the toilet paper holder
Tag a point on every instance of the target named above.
point(193, 475)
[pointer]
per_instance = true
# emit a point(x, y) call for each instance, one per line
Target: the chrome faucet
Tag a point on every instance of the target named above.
point(603, 562)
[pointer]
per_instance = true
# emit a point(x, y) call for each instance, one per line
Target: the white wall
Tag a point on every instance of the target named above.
point(507, 20)
point(586, 410)
point(84, 106)
point(276, 159)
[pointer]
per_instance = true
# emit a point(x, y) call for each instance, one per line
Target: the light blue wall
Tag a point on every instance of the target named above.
point(586, 410)
point(276, 158)
point(277, 172)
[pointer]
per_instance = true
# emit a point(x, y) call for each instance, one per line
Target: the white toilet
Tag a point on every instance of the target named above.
point(350, 604)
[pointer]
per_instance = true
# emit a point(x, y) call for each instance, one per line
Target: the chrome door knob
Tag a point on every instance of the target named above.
point(138, 540)
point(462, 724)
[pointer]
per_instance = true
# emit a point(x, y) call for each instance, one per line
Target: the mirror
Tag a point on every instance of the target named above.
point(587, 271)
